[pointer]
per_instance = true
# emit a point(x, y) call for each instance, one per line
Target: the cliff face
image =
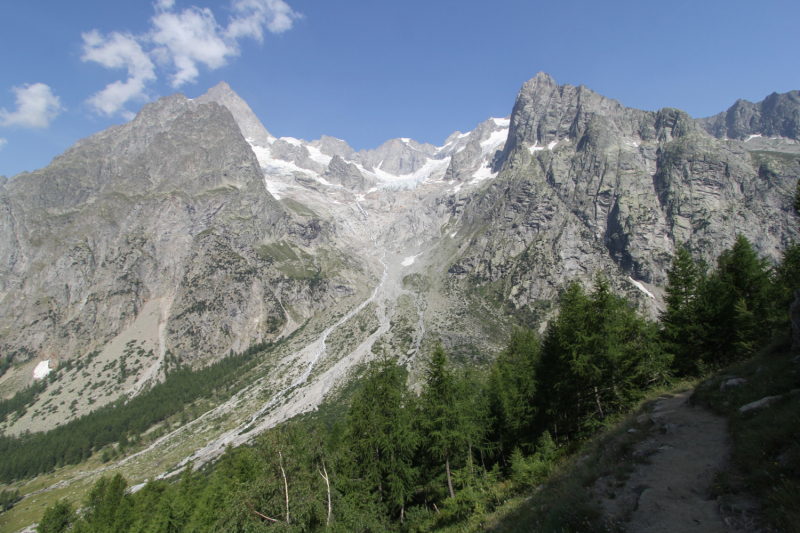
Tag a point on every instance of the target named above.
point(171, 206)
point(778, 115)
point(587, 184)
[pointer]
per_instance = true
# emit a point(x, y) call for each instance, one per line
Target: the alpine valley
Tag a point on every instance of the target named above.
point(191, 236)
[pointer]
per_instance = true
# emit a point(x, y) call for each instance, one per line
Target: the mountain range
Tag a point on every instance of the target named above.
point(191, 232)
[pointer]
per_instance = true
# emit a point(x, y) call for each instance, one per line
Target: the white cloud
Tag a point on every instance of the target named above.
point(182, 42)
point(118, 51)
point(189, 38)
point(253, 15)
point(3, 142)
point(36, 107)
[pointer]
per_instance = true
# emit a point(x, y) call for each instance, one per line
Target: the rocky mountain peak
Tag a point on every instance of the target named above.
point(347, 175)
point(778, 115)
point(397, 157)
point(331, 146)
point(672, 124)
point(541, 80)
point(251, 127)
point(164, 236)
point(546, 113)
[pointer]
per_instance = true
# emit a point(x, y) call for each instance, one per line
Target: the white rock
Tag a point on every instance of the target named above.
point(763, 402)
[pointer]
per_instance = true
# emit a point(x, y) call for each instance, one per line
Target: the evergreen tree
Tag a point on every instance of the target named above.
point(108, 508)
point(597, 358)
point(681, 333)
point(57, 519)
point(444, 422)
point(511, 391)
point(797, 198)
point(787, 280)
point(734, 305)
point(382, 438)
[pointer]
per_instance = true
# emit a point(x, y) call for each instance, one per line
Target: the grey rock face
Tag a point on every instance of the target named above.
point(173, 206)
point(297, 154)
point(588, 184)
point(170, 205)
point(332, 146)
point(347, 175)
point(778, 115)
point(482, 147)
point(250, 126)
point(396, 157)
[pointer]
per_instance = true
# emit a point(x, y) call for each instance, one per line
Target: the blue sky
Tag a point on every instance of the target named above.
point(368, 71)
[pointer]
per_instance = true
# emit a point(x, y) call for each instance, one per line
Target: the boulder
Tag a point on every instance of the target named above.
point(763, 402)
point(735, 382)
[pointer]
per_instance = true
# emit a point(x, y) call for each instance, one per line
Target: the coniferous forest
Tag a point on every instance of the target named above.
point(410, 461)
point(32, 454)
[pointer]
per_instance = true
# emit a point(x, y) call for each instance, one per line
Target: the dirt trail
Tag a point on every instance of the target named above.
point(671, 492)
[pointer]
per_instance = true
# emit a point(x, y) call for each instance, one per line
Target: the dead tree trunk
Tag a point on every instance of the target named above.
point(447, 466)
point(328, 485)
point(285, 486)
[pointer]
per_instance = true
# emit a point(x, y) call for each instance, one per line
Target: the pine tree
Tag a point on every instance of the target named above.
point(511, 390)
point(597, 358)
point(680, 332)
point(443, 421)
point(797, 198)
point(57, 519)
point(787, 279)
point(382, 437)
point(736, 308)
point(108, 508)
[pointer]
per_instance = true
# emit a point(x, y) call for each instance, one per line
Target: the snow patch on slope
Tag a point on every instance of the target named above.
point(316, 155)
point(483, 173)
point(408, 261)
point(408, 181)
point(292, 140)
point(535, 147)
point(641, 288)
point(495, 139)
point(42, 369)
point(278, 167)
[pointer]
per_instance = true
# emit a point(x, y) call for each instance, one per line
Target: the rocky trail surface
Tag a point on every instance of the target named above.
point(673, 489)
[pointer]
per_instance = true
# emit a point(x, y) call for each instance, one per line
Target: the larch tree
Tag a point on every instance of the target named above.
point(382, 437)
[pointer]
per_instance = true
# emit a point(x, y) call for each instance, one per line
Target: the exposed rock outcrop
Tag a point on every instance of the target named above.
point(587, 184)
point(172, 205)
point(295, 153)
point(347, 175)
point(778, 115)
point(252, 128)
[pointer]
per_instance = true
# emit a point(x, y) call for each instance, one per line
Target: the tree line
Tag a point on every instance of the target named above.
point(121, 422)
